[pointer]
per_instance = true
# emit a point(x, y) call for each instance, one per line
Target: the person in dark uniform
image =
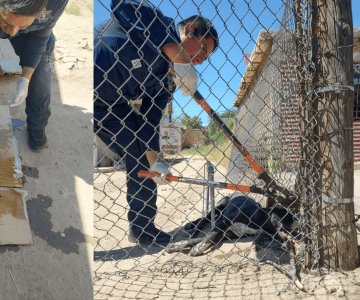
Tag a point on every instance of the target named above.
point(29, 27)
point(134, 54)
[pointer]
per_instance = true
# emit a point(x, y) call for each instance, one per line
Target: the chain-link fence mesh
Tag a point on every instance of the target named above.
point(224, 244)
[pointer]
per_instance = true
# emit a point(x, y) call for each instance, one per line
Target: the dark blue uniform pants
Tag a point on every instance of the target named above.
point(121, 138)
point(38, 99)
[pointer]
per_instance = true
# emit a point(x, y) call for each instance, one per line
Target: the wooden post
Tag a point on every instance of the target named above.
point(335, 110)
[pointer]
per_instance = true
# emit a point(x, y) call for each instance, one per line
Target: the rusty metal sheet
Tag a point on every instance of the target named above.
point(10, 165)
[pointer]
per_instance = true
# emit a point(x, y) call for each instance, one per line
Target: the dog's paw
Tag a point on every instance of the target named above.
point(200, 248)
point(175, 247)
point(209, 241)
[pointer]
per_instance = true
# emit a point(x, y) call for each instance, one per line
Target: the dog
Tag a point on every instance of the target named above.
point(236, 217)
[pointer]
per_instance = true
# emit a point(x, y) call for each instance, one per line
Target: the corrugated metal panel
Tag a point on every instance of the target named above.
point(356, 134)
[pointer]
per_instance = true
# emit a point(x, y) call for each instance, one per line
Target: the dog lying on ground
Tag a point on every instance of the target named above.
point(235, 217)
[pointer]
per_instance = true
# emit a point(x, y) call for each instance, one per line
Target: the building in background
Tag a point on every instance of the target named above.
point(267, 121)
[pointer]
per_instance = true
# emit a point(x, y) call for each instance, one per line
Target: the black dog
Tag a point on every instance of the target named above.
point(236, 217)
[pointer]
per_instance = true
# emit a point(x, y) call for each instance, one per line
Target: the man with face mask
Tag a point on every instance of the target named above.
point(135, 53)
point(28, 25)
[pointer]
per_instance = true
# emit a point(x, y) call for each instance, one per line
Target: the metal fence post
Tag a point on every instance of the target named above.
point(210, 191)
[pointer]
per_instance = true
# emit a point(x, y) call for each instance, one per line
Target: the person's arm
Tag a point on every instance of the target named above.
point(151, 111)
point(158, 165)
point(35, 41)
point(27, 72)
point(155, 156)
point(34, 46)
point(152, 156)
point(148, 134)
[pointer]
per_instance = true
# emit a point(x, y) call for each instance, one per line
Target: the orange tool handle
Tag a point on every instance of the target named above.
point(223, 185)
point(245, 153)
point(272, 187)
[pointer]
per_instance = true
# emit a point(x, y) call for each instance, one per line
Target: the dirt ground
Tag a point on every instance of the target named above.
point(127, 271)
point(59, 179)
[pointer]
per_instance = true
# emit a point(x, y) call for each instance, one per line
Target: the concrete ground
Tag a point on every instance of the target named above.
point(58, 180)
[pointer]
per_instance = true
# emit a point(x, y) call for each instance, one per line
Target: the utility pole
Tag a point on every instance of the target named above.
point(334, 91)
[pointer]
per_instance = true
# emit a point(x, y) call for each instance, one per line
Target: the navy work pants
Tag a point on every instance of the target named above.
point(39, 94)
point(118, 131)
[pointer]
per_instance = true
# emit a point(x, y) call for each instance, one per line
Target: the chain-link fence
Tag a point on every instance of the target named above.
point(244, 200)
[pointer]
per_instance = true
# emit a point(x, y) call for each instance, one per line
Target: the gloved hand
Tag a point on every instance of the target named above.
point(21, 92)
point(185, 78)
point(163, 170)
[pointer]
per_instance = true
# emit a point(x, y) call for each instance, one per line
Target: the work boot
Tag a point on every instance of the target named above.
point(148, 235)
point(37, 140)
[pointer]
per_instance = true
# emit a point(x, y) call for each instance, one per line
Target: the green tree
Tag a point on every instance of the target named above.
point(228, 114)
point(191, 122)
point(215, 133)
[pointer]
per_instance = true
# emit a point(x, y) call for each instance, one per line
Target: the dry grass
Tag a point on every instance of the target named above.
point(73, 9)
point(216, 154)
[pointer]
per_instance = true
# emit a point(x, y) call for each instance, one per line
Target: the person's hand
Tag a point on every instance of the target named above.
point(162, 169)
point(21, 92)
point(185, 78)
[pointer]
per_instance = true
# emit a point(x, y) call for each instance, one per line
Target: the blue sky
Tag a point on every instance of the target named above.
point(238, 23)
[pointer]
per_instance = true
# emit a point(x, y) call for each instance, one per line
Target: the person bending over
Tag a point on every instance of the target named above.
point(28, 24)
point(136, 53)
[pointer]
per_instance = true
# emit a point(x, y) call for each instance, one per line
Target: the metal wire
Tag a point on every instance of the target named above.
point(275, 120)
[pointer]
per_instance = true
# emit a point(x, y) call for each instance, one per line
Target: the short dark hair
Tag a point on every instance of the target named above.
point(203, 27)
point(23, 7)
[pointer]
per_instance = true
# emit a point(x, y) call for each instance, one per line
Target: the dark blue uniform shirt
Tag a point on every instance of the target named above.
point(129, 65)
point(38, 33)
